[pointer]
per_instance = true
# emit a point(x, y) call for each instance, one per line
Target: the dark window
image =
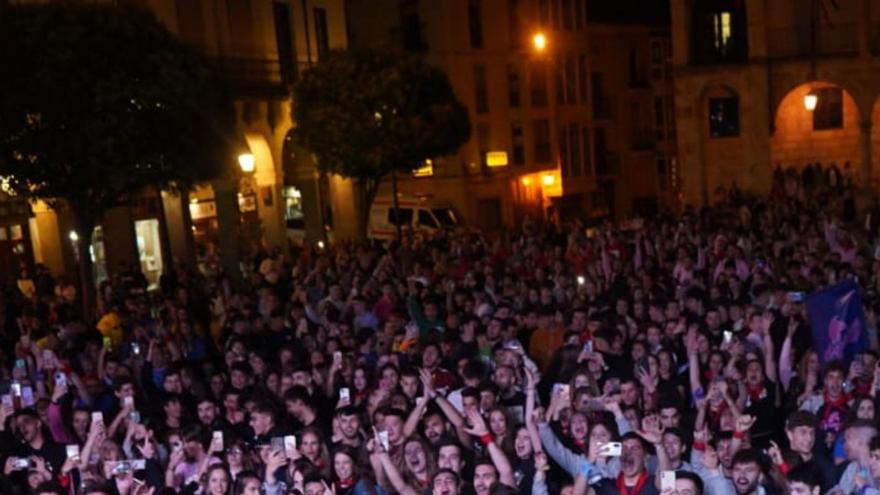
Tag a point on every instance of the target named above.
point(481, 90)
point(585, 145)
point(559, 76)
point(426, 220)
point(475, 23)
point(411, 26)
point(539, 84)
point(283, 40)
point(659, 111)
point(579, 14)
point(513, 86)
point(601, 106)
point(828, 113)
point(544, 12)
point(542, 140)
point(405, 216)
point(571, 79)
point(483, 142)
point(564, 162)
point(724, 117)
point(720, 31)
point(599, 141)
point(519, 148)
point(574, 135)
point(321, 37)
point(567, 23)
point(513, 26)
point(637, 77)
point(582, 78)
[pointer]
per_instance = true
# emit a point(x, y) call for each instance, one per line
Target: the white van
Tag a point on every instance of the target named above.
point(416, 214)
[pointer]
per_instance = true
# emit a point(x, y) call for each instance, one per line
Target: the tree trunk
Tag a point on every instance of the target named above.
point(396, 204)
point(85, 225)
point(164, 237)
point(368, 189)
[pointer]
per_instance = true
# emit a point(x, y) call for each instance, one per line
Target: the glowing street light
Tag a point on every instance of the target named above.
point(811, 99)
point(539, 41)
point(247, 162)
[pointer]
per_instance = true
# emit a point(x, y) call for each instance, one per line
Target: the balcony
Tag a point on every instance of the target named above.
point(256, 76)
point(831, 40)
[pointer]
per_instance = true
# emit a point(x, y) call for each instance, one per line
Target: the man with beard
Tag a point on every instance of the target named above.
point(747, 473)
point(634, 478)
point(209, 415)
point(348, 431)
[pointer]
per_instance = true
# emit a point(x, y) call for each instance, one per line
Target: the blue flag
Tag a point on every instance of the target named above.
point(837, 321)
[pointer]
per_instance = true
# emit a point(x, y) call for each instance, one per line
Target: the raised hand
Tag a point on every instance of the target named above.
point(652, 430)
point(744, 423)
point(775, 454)
point(427, 384)
point(477, 426)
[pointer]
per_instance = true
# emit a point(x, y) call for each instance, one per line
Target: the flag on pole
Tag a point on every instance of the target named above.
point(837, 321)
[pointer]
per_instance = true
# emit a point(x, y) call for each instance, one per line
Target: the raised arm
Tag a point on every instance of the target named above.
point(412, 421)
point(785, 369)
point(479, 430)
point(531, 427)
point(769, 351)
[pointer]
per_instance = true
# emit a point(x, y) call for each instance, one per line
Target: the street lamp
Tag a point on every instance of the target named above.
point(247, 162)
point(539, 41)
point(811, 99)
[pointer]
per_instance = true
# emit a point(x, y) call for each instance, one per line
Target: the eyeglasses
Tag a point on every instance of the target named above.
point(234, 451)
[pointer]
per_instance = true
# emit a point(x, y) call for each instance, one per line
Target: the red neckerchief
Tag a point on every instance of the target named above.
point(345, 484)
point(832, 405)
point(580, 444)
point(640, 483)
point(756, 393)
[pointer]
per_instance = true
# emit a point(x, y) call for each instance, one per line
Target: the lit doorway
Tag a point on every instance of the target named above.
point(149, 250)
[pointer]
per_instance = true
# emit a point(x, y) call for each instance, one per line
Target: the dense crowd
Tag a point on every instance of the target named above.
point(668, 356)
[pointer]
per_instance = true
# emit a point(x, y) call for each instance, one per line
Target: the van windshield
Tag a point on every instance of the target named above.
point(445, 216)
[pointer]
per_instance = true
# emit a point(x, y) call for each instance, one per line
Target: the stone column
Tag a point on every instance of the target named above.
point(228, 219)
point(865, 144)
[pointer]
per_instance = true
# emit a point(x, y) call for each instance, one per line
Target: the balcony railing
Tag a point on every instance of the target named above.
point(264, 76)
point(831, 39)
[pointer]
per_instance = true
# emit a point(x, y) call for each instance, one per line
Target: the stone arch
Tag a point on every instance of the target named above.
point(796, 142)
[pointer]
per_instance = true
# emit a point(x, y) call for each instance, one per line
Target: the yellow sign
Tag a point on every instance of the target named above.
point(426, 170)
point(496, 159)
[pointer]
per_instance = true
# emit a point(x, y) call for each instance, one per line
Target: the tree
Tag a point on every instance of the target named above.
point(99, 103)
point(367, 114)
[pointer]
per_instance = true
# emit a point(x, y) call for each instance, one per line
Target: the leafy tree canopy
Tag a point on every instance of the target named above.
point(366, 113)
point(99, 101)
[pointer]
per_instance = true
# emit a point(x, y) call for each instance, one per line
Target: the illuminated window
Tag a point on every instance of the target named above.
point(722, 30)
